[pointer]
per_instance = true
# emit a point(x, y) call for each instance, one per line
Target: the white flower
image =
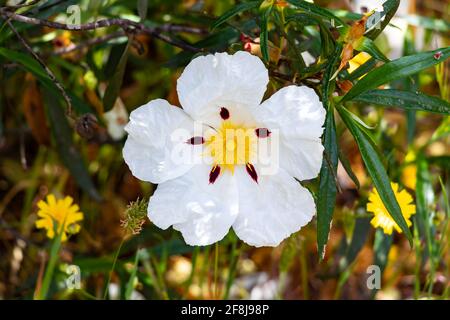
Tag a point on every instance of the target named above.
point(116, 118)
point(203, 199)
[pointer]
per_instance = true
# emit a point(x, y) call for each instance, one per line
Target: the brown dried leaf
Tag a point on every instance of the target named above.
point(33, 109)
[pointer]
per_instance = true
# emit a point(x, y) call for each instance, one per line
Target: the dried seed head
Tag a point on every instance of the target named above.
point(86, 125)
point(134, 216)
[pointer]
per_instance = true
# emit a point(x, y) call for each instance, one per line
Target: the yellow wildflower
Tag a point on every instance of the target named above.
point(382, 217)
point(62, 212)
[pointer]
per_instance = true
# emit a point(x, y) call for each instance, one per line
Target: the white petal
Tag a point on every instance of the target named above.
point(272, 209)
point(203, 212)
point(155, 149)
point(299, 115)
point(211, 82)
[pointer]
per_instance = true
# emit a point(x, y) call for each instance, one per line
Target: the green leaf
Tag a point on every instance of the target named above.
point(327, 186)
point(43, 11)
point(361, 70)
point(396, 69)
point(324, 13)
point(65, 146)
point(235, 10)
point(264, 35)
point(376, 170)
point(32, 66)
point(113, 89)
point(218, 41)
point(389, 9)
point(405, 99)
point(25, 60)
point(359, 238)
point(326, 38)
point(348, 168)
point(369, 46)
point(142, 6)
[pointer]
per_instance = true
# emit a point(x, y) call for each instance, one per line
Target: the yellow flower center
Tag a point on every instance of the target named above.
point(232, 145)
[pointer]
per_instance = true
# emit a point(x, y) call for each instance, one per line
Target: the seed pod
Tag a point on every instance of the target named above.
point(86, 125)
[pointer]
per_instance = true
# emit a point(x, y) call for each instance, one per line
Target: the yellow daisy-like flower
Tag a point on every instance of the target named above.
point(382, 217)
point(62, 212)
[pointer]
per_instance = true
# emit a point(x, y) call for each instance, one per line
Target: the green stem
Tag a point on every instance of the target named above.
point(105, 294)
point(304, 271)
point(418, 262)
point(191, 276)
point(235, 253)
point(160, 278)
point(48, 276)
point(151, 273)
point(216, 270)
point(343, 280)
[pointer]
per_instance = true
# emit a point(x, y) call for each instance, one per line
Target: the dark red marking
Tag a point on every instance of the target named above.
point(224, 113)
point(437, 55)
point(196, 140)
point(214, 174)
point(252, 172)
point(262, 132)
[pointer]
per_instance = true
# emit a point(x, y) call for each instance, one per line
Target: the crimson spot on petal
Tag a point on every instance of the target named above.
point(262, 132)
point(214, 174)
point(224, 113)
point(196, 140)
point(252, 172)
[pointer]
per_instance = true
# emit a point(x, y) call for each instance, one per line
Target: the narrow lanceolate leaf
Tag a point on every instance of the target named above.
point(264, 36)
point(376, 170)
point(362, 70)
point(307, 19)
point(324, 13)
point(396, 69)
point(235, 10)
point(348, 168)
point(32, 66)
point(327, 186)
point(369, 46)
point(66, 149)
point(142, 6)
point(405, 99)
point(389, 9)
point(113, 89)
point(359, 238)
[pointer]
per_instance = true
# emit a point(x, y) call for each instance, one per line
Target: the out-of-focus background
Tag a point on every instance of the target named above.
point(44, 152)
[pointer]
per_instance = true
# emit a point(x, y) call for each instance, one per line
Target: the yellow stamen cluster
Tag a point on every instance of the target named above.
point(60, 215)
point(231, 145)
